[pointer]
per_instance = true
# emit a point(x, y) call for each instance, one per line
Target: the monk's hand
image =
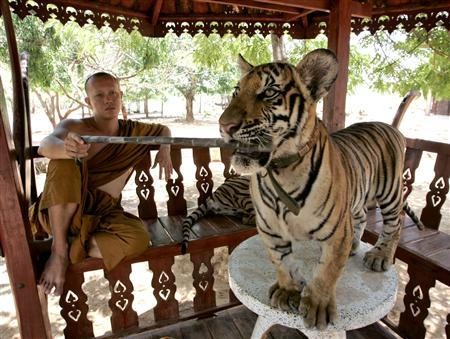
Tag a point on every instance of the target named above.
point(75, 147)
point(164, 161)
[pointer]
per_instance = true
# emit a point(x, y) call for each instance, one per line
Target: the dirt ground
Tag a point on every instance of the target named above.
point(437, 128)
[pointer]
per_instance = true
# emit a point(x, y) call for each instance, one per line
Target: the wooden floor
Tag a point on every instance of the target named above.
point(238, 322)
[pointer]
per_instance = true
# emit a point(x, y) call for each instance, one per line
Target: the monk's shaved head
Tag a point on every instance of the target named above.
point(98, 75)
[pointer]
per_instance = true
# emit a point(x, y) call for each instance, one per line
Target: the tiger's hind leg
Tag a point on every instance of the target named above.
point(359, 221)
point(381, 256)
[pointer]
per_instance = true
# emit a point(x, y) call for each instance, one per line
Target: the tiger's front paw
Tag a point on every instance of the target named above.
point(377, 260)
point(287, 300)
point(317, 309)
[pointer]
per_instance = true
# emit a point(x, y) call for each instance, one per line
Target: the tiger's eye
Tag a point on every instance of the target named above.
point(270, 93)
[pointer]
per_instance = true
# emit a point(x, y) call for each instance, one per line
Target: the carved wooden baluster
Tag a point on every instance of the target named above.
point(123, 316)
point(164, 286)
point(412, 160)
point(431, 214)
point(416, 301)
point(203, 173)
point(145, 190)
point(74, 308)
point(203, 274)
point(175, 188)
point(228, 170)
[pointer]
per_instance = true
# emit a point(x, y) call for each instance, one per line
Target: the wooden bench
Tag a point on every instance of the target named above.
point(208, 234)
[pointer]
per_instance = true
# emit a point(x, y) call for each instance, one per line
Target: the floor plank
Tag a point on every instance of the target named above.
point(223, 327)
point(238, 323)
point(194, 330)
point(244, 320)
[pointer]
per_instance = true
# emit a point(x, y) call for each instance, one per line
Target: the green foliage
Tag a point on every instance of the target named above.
point(220, 54)
point(61, 57)
point(418, 60)
point(299, 48)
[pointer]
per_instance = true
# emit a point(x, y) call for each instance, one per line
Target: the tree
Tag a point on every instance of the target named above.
point(219, 56)
point(417, 60)
point(62, 56)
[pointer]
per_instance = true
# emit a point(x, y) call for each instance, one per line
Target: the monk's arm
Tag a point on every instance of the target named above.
point(62, 143)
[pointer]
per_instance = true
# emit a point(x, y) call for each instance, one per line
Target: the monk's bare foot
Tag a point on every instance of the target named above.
point(54, 274)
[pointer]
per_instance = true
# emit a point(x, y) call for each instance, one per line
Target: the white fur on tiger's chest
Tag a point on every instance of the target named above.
point(289, 226)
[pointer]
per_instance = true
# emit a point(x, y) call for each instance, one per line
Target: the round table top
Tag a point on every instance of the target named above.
point(362, 296)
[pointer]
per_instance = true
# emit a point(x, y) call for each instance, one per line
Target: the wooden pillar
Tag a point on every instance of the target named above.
point(30, 304)
point(339, 42)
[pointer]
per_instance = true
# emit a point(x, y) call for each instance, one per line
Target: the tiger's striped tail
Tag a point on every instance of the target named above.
point(413, 216)
point(190, 220)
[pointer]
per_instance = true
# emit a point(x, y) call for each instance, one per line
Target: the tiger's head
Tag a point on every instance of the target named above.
point(272, 104)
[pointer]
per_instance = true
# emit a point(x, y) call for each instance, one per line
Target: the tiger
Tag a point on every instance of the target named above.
point(230, 198)
point(312, 185)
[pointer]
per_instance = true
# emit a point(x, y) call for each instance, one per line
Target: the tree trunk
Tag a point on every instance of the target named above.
point(277, 47)
point(146, 106)
point(48, 111)
point(189, 106)
point(162, 108)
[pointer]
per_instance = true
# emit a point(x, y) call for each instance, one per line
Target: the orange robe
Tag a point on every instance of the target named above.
point(118, 234)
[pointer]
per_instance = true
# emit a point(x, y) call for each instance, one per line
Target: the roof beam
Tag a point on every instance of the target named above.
point(255, 4)
point(319, 5)
point(405, 8)
point(301, 15)
point(357, 9)
point(156, 11)
point(218, 17)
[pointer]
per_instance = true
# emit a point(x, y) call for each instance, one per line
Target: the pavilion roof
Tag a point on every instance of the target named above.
point(299, 18)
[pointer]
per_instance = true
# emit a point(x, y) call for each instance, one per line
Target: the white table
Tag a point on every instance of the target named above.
point(363, 297)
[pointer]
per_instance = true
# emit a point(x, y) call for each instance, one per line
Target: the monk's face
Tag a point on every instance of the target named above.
point(104, 97)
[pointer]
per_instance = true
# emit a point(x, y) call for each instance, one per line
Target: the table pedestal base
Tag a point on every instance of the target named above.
point(263, 324)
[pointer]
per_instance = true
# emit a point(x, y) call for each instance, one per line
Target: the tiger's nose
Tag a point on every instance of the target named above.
point(229, 128)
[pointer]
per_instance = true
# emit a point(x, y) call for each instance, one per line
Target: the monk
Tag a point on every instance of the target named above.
point(82, 192)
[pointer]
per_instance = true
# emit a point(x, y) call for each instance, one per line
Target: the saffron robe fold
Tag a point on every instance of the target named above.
point(118, 234)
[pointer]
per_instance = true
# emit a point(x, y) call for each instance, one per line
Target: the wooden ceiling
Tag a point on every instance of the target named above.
point(299, 18)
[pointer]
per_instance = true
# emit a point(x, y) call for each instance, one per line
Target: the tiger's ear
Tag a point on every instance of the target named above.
point(318, 71)
point(244, 65)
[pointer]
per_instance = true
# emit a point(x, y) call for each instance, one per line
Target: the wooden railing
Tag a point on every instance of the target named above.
point(209, 234)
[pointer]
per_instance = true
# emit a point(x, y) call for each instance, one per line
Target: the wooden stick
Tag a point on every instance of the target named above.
point(158, 140)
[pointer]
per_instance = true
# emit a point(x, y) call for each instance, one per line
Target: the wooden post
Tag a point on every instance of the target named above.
point(339, 42)
point(31, 313)
point(19, 107)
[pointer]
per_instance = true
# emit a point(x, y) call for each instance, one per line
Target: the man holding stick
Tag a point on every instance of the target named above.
point(82, 192)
